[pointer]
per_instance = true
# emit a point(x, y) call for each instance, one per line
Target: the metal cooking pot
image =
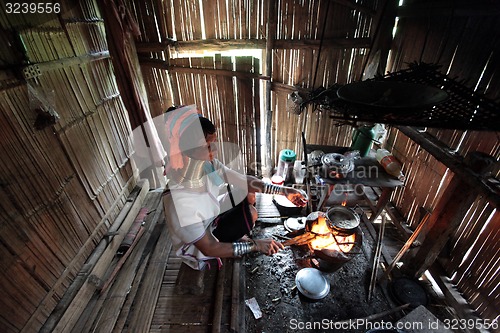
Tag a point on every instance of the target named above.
point(314, 157)
point(343, 220)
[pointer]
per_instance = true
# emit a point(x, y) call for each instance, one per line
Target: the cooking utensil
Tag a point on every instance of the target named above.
point(312, 218)
point(406, 290)
point(286, 207)
point(312, 283)
point(336, 165)
point(342, 219)
point(391, 95)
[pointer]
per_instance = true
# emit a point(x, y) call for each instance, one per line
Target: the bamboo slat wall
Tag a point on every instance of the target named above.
point(465, 44)
point(345, 27)
point(62, 185)
point(229, 101)
point(418, 191)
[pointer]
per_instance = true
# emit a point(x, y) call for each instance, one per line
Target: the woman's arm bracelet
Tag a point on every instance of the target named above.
point(273, 189)
point(241, 248)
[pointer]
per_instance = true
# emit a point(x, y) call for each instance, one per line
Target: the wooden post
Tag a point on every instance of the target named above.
point(219, 298)
point(376, 61)
point(383, 200)
point(446, 217)
point(271, 34)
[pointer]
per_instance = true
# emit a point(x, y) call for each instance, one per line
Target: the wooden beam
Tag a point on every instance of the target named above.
point(336, 43)
point(161, 64)
point(154, 47)
point(453, 297)
point(35, 70)
point(451, 9)
point(451, 208)
point(259, 44)
point(272, 12)
point(204, 44)
point(445, 218)
point(353, 5)
point(454, 163)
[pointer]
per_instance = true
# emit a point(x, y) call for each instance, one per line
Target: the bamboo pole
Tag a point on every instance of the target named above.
point(219, 298)
point(42, 67)
point(270, 39)
point(77, 294)
point(376, 258)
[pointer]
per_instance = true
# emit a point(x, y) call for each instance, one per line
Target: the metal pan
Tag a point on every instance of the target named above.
point(343, 219)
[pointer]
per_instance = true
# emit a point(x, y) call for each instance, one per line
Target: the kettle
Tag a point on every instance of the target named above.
point(362, 139)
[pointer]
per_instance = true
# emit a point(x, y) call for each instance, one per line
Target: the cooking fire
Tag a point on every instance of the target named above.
point(325, 239)
point(330, 236)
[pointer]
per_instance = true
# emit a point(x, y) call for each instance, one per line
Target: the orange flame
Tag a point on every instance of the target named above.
point(344, 203)
point(326, 240)
point(331, 242)
point(320, 227)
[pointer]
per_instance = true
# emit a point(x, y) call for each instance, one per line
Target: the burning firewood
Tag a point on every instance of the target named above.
point(299, 240)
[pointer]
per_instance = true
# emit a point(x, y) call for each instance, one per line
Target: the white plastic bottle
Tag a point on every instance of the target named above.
point(389, 163)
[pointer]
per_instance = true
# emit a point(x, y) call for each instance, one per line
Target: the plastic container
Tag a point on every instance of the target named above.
point(277, 180)
point(380, 133)
point(285, 165)
point(362, 140)
point(390, 164)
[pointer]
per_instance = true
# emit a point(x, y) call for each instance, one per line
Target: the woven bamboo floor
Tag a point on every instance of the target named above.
point(154, 292)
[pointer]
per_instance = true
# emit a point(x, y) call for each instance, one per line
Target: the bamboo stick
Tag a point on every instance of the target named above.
point(40, 68)
point(219, 298)
point(76, 296)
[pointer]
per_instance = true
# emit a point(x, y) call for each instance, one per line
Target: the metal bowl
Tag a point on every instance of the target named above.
point(336, 165)
point(311, 283)
point(286, 207)
point(312, 218)
point(295, 223)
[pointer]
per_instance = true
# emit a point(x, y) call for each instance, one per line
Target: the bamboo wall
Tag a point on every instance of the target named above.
point(337, 61)
point(61, 185)
point(465, 44)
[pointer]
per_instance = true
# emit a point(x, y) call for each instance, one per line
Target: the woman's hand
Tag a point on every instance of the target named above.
point(296, 196)
point(268, 246)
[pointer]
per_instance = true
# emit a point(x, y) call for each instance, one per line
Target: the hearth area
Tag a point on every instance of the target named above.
point(344, 260)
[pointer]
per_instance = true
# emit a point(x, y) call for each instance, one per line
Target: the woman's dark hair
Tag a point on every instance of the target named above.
point(190, 135)
point(207, 126)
